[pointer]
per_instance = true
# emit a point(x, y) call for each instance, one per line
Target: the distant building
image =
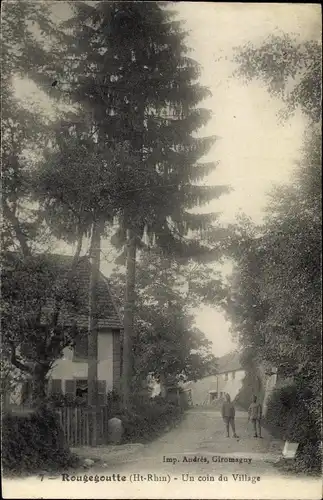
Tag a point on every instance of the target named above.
point(211, 389)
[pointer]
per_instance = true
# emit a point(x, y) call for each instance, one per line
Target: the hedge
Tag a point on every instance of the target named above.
point(34, 441)
point(61, 400)
point(289, 419)
point(149, 419)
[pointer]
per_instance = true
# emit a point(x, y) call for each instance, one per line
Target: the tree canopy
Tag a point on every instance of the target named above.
point(274, 300)
point(291, 70)
point(167, 343)
point(128, 153)
point(35, 296)
point(140, 89)
point(125, 66)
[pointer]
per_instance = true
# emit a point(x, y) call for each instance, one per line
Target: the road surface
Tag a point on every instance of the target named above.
point(194, 460)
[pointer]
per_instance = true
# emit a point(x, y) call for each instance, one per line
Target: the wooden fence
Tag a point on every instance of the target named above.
point(76, 425)
point(76, 422)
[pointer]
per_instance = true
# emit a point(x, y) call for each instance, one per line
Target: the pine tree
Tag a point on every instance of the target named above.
point(132, 73)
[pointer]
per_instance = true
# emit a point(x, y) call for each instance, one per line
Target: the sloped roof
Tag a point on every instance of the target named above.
point(108, 316)
point(229, 362)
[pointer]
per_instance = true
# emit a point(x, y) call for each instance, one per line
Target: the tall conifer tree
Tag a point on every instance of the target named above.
point(128, 67)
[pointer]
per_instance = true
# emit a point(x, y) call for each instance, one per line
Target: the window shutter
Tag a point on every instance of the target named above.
point(56, 386)
point(102, 391)
point(70, 387)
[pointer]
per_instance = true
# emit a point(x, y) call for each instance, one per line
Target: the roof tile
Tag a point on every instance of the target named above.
point(108, 316)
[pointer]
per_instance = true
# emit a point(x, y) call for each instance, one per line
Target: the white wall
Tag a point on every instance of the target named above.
point(67, 369)
point(200, 390)
point(231, 386)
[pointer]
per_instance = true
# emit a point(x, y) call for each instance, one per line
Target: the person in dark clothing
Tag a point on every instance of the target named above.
point(255, 415)
point(228, 415)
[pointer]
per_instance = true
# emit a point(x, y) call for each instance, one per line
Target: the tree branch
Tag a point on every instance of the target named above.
point(77, 251)
point(16, 361)
point(13, 219)
point(189, 280)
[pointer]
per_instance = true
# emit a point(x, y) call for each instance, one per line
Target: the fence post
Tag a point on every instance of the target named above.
point(76, 425)
point(87, 421)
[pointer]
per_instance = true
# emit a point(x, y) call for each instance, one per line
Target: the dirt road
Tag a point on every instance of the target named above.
point(194, 460)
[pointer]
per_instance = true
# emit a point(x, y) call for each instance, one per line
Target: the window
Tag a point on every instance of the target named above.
point(70, 388)
point(56, 386)
point(81, 347)
point(226, 376)
point(78, 387)
point(233, 375)
point(81, 389)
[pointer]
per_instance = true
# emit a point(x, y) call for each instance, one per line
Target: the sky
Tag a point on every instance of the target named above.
point(254, 150)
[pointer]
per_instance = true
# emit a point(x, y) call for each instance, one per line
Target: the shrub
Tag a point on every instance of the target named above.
point(33, 441)
point(61, 400)
point(149, 419)
point(113, 397)
point(289, 419)
point(66, 400)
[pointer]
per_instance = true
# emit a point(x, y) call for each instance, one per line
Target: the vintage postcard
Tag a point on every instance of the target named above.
point(161, 250)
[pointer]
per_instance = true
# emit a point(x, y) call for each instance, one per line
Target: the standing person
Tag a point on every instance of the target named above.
point(228, 414)
point(255, 415)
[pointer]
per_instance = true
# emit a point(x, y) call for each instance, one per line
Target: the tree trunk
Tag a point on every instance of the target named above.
point(39, 385)
point(163, 388)
point(127, 361)
point(93, 329)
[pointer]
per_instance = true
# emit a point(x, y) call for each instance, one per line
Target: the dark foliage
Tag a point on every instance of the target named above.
point(34, 441)
point(288, 418)
point(167, 342)
point(251, 386)
point(149, 419)
point(67, 400)
point(275, 296)
point(40, 304)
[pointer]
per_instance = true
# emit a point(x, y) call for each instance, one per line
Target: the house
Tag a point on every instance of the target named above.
point(213, 388)
point(69, 373)
point(230, 376)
